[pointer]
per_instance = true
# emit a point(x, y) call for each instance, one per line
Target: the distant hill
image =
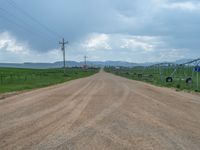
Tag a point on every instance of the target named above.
point(40, 65)
point(69, 64)
point(181, 61)
point(80, 64)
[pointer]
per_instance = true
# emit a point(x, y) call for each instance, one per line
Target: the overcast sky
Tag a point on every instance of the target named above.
point(127, 30)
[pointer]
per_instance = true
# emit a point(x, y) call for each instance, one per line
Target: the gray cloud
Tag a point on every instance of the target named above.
point(175, 22)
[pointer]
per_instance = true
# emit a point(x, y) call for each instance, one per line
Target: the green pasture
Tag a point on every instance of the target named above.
point(13, 79)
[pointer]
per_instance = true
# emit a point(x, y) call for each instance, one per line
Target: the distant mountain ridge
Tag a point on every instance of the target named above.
point(69, 64)
point(181, 61)
point(80, 64)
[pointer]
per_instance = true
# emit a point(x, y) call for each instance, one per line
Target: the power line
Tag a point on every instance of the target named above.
point(24, 24)
point(16, 6)
point(16, 24)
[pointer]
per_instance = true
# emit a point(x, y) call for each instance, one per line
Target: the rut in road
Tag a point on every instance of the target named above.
point(101, 112)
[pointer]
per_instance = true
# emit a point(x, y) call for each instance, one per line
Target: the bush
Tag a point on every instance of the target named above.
point(178, 86)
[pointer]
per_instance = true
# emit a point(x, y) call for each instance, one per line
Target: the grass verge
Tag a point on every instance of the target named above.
point(154, 78)
point(13, 79)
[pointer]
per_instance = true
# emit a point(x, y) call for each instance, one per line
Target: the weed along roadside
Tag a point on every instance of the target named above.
point(13, 79)
point(182, 77)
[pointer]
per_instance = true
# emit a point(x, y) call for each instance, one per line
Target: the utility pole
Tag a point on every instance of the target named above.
point(160, 71)
point(85, 58)
point(85, 62)
point(63, 43)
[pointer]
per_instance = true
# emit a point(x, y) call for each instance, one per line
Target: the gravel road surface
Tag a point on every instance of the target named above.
point(101, 112)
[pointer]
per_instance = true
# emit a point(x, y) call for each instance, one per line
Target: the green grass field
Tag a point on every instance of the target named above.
point(152, 75)
point(12, 79)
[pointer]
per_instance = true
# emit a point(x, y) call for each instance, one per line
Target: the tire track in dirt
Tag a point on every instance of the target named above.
point(93, 122)
point(53, 114)
point(48, 111)
point(101, 112)
point(73, 116)
point(24, 100)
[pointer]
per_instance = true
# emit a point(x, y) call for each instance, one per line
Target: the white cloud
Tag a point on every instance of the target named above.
point(133, 48)
point(142, 43)
point(115, 24)
point(97, 42)
point(172, 54)
point(98, 47)
point(125, 42)
point(13, 50)
point(187, 5)
point(10, 44)
point(169, 54)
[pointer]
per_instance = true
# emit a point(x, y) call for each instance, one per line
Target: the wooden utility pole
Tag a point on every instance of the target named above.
point(63, 43)
point(85, 58)
point(85, 62)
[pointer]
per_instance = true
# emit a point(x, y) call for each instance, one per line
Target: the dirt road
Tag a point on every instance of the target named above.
point(102, 112)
